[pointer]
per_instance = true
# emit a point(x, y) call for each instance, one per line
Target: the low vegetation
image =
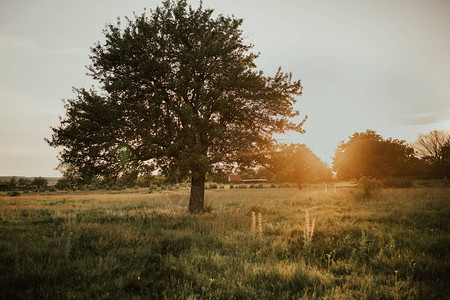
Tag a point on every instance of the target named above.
point(367, 188)
point(268, 243)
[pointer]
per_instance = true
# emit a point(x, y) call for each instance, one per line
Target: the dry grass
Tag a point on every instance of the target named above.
point(254, 243)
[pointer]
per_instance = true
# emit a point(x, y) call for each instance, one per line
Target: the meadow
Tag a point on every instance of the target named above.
point(268, 243)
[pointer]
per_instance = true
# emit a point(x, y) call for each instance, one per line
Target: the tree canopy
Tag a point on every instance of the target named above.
point(296, 163)
point(368, 154)
point(434, 148)
point(179, 91)
point(40, 182)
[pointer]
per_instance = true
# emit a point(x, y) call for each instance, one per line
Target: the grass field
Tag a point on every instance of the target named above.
point(270, 243)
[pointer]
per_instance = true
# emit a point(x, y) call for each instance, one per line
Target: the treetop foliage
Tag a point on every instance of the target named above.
point(296, 163)
point(368, 154)
point(434, 149)
point(432, 145)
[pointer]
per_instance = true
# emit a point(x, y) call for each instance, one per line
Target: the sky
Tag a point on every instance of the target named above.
point(382, 65)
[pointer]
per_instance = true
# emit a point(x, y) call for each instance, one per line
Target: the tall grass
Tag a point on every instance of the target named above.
point(254, 243)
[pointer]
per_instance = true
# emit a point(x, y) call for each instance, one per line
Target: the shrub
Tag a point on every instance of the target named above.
point(213, 186)
point(273, 185)
point(252, 186)
point(152, 188)
point(259, 186)
point(231, 186)
point(116, 187)
point(14, 194)
point(242, 186)
point(367, 187)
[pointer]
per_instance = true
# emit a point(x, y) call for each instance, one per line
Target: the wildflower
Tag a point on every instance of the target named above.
point(253, 222)
point(309, 229)
point(260, 225)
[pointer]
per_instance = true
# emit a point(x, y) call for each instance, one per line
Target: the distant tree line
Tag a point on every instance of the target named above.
point(294, 163)
point(363, 154)
point(369, 154)
point(24, 184)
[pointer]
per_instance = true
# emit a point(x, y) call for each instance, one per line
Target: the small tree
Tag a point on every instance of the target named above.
point(368, 187)
point(40, 182)
point(296, 163)
point(71, 177)
point(434, 149)
point(13, 183)
point(24, 183)
point(430, 146)
point(4, 185)
point(62, 184)
point(179, 92)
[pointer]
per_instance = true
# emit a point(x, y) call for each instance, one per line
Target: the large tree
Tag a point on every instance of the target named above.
point(179, 91)
point(369, 154)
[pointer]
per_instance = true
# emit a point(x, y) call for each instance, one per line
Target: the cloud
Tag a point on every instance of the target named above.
point(427, 117)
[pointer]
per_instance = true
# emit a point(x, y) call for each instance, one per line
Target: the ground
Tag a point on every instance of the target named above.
point(266, 243)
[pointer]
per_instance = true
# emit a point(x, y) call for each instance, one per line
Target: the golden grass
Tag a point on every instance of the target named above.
point(254, 243)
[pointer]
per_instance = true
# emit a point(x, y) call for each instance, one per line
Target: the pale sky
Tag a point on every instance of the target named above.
point(382, 65)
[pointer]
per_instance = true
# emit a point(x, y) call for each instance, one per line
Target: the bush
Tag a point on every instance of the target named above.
point(367, 187)
point(252, 186)
point(273, 185)
point(231, 186)
point(213, 186)
point(397, 182)
point(242, 186)
point(14, 194)
point(152, 188)
point(259, 186)
point(114, 187)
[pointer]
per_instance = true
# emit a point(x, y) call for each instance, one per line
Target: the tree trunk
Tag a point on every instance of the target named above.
point(196, 202)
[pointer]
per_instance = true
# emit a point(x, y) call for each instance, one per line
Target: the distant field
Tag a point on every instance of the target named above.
point(308, 243)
